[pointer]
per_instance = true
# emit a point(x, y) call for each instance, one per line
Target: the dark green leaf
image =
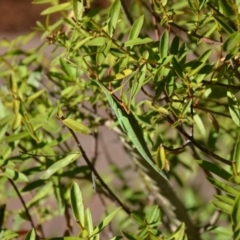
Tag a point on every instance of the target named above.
point(214, 168)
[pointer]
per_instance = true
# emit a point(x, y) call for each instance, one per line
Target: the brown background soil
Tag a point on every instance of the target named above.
point(21, 15)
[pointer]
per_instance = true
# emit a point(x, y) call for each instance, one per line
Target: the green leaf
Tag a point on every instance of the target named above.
point(225, 199)
point(224, 24)
point(35, 95)
point(15, 137)
point(57, 8)
point(99, 41)
point(163, 45)
point(78, 9)
point(77, 204)
point(199, 125)
point(179, 233)
point(235, 216)
point(234, 108)
point(226, 7)
point(152, 214)
point(14, 175)
point(76, 126)
point(131, 236)
point(33, 185)
point(66, 238)
point(214, 168)
point(224, 187)
point(137, 41)
point(177, 68)
point(175, 45)
point(102, 52)
point(113, 15)
point(6, 234)
point(138, 82)
point(136, 28)
point(104, 223)
point(60, 164)
point(236, 153)
point(232, 43)
point(88, 221)
point(222, 206)
point(31, 235)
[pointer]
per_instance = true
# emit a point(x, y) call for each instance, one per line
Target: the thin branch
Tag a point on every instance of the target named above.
point(23, 203)
point(92, 168)
point(198, 145)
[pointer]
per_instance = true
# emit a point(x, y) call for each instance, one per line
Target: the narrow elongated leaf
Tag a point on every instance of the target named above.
point(130, 126)
point(236, 153)
point(222, 206)
point(224, 187)
point(88, 221)
point(137, 41)
point(99, 41)
point(67, 238)
point(77, 204)
point(236, 214)
point(177, 68)
point(113, 15)
point(57, 8)
point(136, 28)
point(35, 95)
point(199, 125)
point(225, 199)
point(163, 45)
point(15, 137)
point(175, 45)
point(104, 223)
point(59, 165)
point(232, 42)
point(76, 126)
point(214, 168)
point(224, 24)
point(14, 175)
point(234, 108)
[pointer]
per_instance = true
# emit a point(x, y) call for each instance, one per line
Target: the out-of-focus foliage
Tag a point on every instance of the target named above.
point(169, 76)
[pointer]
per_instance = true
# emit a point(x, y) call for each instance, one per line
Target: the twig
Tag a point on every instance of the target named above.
point(198, 145)
point(23, 203)
point(92, 168)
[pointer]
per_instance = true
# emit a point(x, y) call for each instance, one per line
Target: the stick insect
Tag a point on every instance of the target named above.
point(131, 127)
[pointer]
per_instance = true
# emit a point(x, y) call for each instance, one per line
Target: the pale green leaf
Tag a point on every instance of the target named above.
point(113, 15)
point(234, 108)
point(137, 41)
point(77, 204)
point(76, 126)
point(57, 8)
point(136, 28)
point(60, 164)
point(105, 222)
